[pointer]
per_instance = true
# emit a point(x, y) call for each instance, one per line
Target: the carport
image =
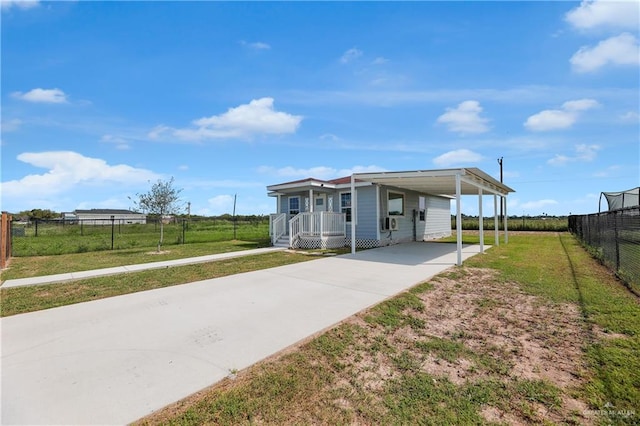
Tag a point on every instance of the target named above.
point(449, 182)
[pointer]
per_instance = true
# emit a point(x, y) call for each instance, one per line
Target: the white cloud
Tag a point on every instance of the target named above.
point(11, 125)
point(350, 55)
point(457, 157)
point(605, 14)
point(68, 169)
point(120, 143)
point(550, 119)
point(630, 117)
point(608, 172)
point(618, 50)
point(258, 45)
point(51, 96)
point(379, 61)
point(255, 118)
point(318, 172)
point(558, 160)
point(583, 153)
point(555, 119)
point(20, 4)
point(465, 118)
point(580, 105)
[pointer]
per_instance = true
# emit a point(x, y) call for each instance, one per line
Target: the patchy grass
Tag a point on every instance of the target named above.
point(17, 300)
point(533, 332)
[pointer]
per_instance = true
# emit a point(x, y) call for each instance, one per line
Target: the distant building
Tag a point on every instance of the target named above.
point(104, 216)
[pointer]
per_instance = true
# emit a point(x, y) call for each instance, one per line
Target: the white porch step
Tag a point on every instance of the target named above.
point(282, 242)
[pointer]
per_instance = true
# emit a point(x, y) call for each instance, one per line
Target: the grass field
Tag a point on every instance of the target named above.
point(52, 238)
point(522, 223)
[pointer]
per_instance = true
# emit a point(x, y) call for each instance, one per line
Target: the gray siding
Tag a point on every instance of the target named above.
point(367, 225)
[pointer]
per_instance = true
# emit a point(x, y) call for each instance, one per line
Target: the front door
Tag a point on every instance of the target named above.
point(320, 203)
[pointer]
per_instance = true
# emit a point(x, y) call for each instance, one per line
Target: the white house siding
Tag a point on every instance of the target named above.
point(105, 218)
point(438, 218)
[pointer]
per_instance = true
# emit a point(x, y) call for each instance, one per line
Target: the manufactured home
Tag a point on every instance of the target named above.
point(368, 210)
point(105, 216)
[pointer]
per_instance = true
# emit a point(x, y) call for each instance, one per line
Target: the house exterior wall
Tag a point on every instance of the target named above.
point(367, 222)
point(437, 221)
point(372, 199)
point(105, 219)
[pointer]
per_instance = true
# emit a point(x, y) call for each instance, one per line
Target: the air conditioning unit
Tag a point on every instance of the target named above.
point(393, 223)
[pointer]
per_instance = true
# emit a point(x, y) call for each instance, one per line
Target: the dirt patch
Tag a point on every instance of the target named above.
point(476, 327)
point(471, 332)
point(158, 252)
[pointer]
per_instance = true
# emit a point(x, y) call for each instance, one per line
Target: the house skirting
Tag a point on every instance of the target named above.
point(315, 242)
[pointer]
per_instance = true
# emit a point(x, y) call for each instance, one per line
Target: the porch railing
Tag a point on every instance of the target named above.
point(316, 224)
point(277, 226)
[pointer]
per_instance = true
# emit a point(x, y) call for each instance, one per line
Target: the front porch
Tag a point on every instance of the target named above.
point(309, 230)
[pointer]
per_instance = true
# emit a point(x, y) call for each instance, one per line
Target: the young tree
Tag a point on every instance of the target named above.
point(162, 199)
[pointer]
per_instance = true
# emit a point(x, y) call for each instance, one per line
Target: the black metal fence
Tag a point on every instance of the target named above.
point(614, 237)
point(50, 237)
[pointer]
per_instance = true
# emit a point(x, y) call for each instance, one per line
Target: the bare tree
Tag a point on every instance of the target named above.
point(162, 199)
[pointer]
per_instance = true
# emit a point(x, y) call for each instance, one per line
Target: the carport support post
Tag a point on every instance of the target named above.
point(353, 214)
point(506, 229)
point(496, 226)
point(480, 220)
point(458, 220)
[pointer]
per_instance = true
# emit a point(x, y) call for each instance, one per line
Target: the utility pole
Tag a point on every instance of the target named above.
point(501, 198)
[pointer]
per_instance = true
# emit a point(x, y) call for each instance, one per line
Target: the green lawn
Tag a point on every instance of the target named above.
point(22, 267)
point(54, 239)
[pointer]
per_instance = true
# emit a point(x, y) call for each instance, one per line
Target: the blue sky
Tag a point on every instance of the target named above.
point(101, 99)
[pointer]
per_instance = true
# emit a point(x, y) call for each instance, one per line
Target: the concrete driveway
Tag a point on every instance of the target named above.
point(114, 360)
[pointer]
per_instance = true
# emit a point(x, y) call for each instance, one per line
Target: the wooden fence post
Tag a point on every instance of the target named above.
point(5, 240)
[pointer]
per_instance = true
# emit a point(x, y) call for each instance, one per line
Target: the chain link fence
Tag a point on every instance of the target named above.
point(614, 238)
point(51, 237)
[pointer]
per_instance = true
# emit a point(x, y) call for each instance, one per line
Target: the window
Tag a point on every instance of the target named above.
point(345, 204)
point(294, 205)
point(395, 204)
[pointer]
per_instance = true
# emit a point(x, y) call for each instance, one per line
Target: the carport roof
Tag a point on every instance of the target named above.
point(437, 182)
point(441, 181)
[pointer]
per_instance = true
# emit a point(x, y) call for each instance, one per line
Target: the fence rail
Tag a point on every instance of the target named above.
point(614, 237)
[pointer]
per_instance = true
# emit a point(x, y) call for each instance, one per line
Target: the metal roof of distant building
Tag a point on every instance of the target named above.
point(107, 211)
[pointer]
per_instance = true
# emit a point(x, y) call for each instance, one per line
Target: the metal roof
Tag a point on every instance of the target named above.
point(441, 181)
